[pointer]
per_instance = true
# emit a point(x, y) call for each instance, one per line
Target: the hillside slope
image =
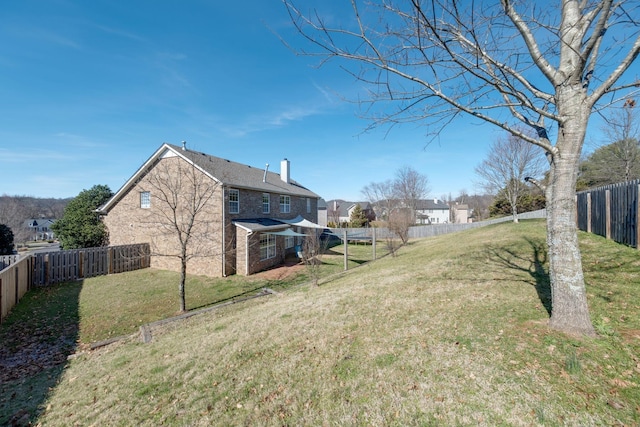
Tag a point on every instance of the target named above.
point(450, 332)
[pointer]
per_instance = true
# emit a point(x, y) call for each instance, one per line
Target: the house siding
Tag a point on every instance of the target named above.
point(251, 206)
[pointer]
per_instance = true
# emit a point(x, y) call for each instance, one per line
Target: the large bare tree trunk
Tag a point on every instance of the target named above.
point(570, 311)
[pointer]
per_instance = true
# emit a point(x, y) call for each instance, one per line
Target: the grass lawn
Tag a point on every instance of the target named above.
point(452, 331)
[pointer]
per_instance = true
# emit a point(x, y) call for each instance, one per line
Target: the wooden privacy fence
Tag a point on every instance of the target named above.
point(612, 211)
point(7, 260)
point(15, 281)
point(62, 266)
point(49, 268)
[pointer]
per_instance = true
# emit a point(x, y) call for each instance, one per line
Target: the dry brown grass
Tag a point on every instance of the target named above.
point(443, 334)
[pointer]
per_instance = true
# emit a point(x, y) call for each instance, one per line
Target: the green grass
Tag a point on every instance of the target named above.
point(452, 331)
point(149, 295)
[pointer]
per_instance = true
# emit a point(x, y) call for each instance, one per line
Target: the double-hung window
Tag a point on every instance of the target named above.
point(234, 201)
point(308, 205)
point(145, 199)
point(267, 246)
point(285, 204)
point(265, 203)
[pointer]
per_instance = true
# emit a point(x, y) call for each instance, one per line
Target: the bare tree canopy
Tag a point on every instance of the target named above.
point(181, 197)
point(509, 162)
point(410, 186)
point(512, 63)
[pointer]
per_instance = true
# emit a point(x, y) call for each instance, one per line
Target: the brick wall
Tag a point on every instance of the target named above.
point(129, 223)
point(221, 247)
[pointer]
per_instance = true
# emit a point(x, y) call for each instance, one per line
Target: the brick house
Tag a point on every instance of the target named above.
point(249, 218)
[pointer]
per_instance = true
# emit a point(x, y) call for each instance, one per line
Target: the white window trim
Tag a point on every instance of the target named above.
point(234, 202)
point(308, 205)
point(269, 248)
point(285, 207)
point(146, 203)
point(268, 204)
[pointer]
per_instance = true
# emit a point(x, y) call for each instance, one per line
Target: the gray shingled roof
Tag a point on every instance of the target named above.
point(229, 173)
point(431, 204)
point(243, 176)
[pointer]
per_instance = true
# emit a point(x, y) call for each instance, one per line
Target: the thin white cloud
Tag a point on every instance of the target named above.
point(121, 33)
point(47, 36)
point(78, 141)
point(20, 155)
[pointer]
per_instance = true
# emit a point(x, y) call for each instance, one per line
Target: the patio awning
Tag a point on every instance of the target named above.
point(288, 233)
point(299, 221)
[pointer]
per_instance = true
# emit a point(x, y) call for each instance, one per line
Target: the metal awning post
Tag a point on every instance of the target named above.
point(373, 242)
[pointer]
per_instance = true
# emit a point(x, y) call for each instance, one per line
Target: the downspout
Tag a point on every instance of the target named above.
point(224, 228)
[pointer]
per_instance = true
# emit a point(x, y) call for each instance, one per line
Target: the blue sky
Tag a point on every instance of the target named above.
point(90, 89)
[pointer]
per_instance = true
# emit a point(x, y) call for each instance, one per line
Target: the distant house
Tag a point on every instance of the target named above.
point(339, 211)
point(432, 211)
point(40, 229)
point(322, 213)
point(253, 218)
point(461, 213)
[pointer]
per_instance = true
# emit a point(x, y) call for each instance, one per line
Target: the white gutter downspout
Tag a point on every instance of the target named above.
point(224, 227)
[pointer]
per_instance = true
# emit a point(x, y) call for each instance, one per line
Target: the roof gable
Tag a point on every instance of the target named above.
point(224, 171)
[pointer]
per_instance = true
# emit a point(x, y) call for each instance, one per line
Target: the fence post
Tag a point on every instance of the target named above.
point(589, 212)
point(638, 218)
point(346, 251)
point(109, 261)
point(607, 214)
point(17, 286)
point(373, 243)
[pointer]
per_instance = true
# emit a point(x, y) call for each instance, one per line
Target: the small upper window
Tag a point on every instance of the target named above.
point(234, 201)
point(265, 203)
point(285, 204)
point(308, 205)
point(145, 199)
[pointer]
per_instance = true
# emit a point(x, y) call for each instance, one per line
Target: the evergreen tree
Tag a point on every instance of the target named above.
point(613, 163)
point(6, 240)
point(80, 226)
point(358, 218)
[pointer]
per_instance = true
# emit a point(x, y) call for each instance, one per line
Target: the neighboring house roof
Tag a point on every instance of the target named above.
point(425, 204)
point(225, 171)
point(42, 222)
point(344, 207)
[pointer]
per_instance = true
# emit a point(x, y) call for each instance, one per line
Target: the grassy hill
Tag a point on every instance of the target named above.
point(452, 331)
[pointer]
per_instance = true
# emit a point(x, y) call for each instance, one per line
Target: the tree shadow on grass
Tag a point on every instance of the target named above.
point(37, 339)
point(534, 265)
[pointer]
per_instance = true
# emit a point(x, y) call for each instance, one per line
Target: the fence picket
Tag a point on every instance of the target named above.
point(613, 212)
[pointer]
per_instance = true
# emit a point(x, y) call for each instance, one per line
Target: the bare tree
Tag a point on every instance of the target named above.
point(410, 186)
point(181, 203)
point(313, 249)
point(14, 212)
point(381, 196)
point(333, 212)
point(509, 63)
point(509, 162)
